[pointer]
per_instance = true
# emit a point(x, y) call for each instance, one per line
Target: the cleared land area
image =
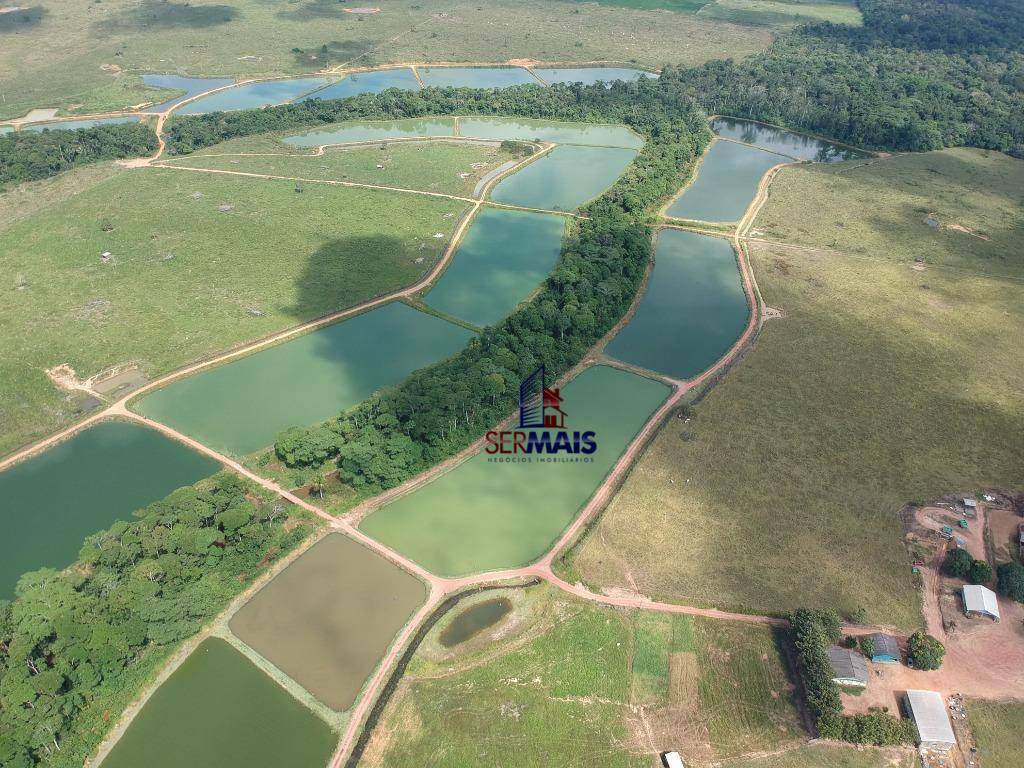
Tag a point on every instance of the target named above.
point(327, 618)
point(959, 207)
point(562, 682)
point(219, 709)
point(448, 167)
point(996, 729)
point(105, 47)
point(782, 12)
point(882, 384)
point(198, 263)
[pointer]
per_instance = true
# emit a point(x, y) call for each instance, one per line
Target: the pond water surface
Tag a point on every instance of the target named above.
point(485, 514)
point(241, 406)
point(565, 178)
point(596, 134)
point(327, 618)
point(367, 82)
point(254, 95)
point(785, 142)
point(726, 183)
point(475, 77)
point(190, 85)
point(219, 710)
point(474, 620)
point(503, 257)
point(375, 130)
point(81, 486)
point(693, 310)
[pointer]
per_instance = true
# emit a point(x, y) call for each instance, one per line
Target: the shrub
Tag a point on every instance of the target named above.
point(958, 563)
point(1011, 581)
point(925, 650)
point(981, 572)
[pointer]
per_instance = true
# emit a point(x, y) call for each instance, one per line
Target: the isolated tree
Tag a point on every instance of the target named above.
point(958, 563)
point(926, 651)
point(1011, 581)
point(867, 646)
point(316, 485)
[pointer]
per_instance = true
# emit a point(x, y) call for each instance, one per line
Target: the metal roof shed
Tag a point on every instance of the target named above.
point(886, 648)
point(929, 713)
point(980, 601)
point(848, 667)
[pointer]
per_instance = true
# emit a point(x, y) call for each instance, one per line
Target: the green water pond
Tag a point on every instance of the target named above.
point(475, 77)
point(375, 130)
point(241, 406)
point(487, 514)
point(726, 183)
point(565, 178)
point(81, 486)
point(219, 710)
point(596, 134)
point(504, 256)
point(693, 310)
point(254, 95)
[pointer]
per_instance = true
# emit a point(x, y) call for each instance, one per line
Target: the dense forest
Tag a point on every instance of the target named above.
point(919, 75)
point(75, 646)
point(32, 155)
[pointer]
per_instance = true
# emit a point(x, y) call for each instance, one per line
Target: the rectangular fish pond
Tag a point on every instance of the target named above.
point(489, 514)
point(375, 130)
point(251, 95)
point(504, 256)
point(693, 310)
point(328, 618)
point(475, 77)
point(219, 710)
point(565, 178)
point(773, 139)
point(54, 500)
point(726, 183)
point(589, 134)
point(241, 406)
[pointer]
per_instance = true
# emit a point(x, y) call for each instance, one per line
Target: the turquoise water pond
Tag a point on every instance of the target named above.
point(375, 130)
point(565, 178)
point(254, 95)
point(503, 257)
point(774, 139)
point(475, 77)
point(693, 310)
point(367, 82)
point(597, 135)
point(190, 85)
point(241, 406)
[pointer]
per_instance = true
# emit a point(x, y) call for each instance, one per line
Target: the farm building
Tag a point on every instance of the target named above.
point(929, 713)
point(971, 506)
point(886, 648)
point(848, 667)
point(672, 760)
point(980, 601)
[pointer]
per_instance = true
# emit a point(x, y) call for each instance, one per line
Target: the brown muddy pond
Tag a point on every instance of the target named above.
point(327, 618)
point(474, 620)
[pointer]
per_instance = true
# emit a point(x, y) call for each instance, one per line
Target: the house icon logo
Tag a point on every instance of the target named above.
point(540, 406)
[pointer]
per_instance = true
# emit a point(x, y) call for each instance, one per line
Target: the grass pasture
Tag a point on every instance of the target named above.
point(106, 47)
point(199, 263)
point(569, 683)
point(780, 13)
point(996, 729)
point(448, 167)
point(880, 385)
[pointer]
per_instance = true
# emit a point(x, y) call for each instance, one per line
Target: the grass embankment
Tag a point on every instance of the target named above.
point(563, 682)
point(103, 46)
point(997, 729)
point(185, 279)
point(882, 384)
point(434, 166)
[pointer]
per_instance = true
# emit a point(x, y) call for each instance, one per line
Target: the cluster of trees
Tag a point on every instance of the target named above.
point(813, 631)
point(77, 643)
point(441, 409)
point(960, 564)
point(32, 155)
point(925, 651)
point(1010, 580)
point(919, 75)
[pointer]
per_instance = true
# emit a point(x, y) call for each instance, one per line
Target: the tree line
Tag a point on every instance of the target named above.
point(77, 645)
point(33, 155)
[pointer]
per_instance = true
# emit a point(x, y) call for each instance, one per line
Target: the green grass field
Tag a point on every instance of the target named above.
point(186, 279)
point(824, 755)
point(881, 385)
point(105, 46)
point(562, 682)
point(782, 12)
point(434, 166)
point(997, 729)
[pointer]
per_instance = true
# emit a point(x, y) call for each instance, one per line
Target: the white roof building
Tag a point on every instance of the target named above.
point(981, 601)
point(672, 760)
point(929, 713)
